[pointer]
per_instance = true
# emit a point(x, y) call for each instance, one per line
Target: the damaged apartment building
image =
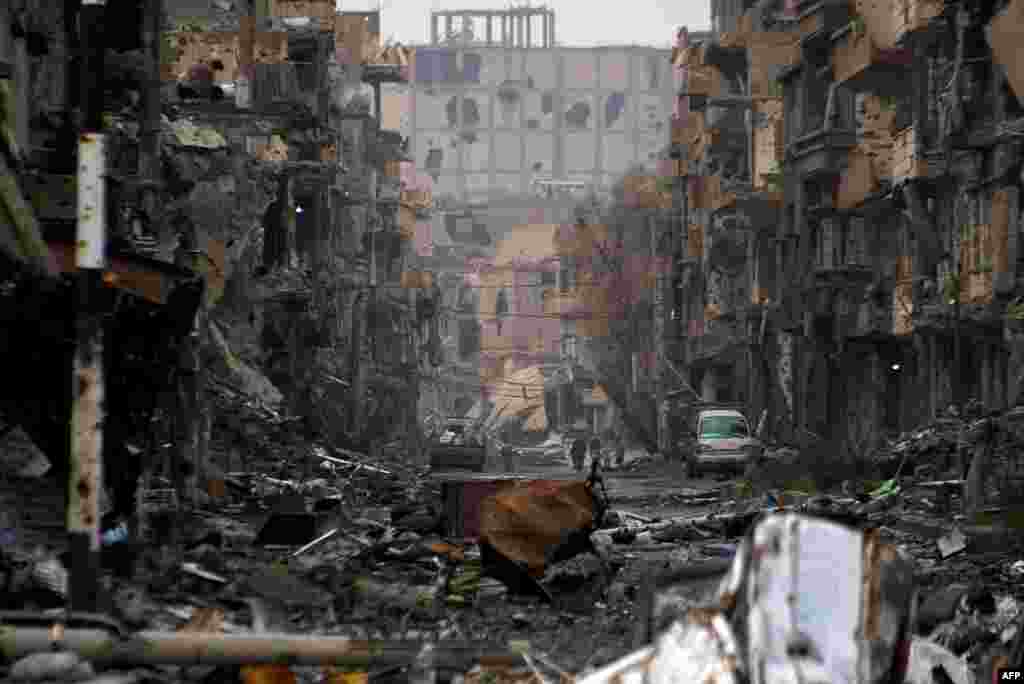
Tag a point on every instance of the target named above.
point(320, 292)
point(849, 211)
point(256, 222)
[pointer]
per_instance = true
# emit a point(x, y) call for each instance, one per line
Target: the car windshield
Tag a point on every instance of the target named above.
point(717, 427)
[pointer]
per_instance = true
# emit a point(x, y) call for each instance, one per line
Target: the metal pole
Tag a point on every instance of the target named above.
point(101, 644)
point(87, 388)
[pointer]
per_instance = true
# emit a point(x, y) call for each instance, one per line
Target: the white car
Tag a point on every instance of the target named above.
point(721, 439)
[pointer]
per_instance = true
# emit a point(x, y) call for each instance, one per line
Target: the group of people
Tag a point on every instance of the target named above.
point(580, 447)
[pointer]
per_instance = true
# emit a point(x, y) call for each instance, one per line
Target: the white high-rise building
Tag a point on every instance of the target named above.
point(495, 105)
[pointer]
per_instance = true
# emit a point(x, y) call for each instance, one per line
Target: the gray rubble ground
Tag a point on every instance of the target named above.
point(388, 572)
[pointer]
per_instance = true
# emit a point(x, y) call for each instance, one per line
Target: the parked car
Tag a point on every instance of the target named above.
point(719, 438)
point(458, 448)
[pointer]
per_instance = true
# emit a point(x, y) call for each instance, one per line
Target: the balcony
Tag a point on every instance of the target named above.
point(321, 10)
point(728, 60)
point(859, 63)
point(822, 16)
point(821, 152)
point(280, 88)
point(769, 54)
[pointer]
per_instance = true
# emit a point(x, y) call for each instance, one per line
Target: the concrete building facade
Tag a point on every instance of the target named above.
point(848, 228)
point(487, 118)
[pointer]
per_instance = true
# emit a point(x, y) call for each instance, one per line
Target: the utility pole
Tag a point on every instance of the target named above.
point(87, 382)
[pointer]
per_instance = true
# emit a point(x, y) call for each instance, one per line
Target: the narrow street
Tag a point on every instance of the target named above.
point(646, 486)
point(286, 284)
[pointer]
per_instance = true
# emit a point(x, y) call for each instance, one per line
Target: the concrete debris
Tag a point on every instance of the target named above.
point(364, 547)
point(62, 666)
point(926, 657)
point(187, 134)
point(952, 543)
point(20, 457)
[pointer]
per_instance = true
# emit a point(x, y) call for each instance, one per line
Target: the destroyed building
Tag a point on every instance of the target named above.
point(849, 213)
point(256, 224)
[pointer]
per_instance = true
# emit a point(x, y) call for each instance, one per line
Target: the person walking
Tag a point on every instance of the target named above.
point(578, 453)
point(620, 450)
point(595, 449)
point(508, 457)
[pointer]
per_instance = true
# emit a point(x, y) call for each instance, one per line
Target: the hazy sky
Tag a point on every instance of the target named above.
point(577, 22)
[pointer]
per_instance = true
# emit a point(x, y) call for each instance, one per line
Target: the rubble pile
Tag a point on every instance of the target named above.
point(941, 450)
point(300, 537)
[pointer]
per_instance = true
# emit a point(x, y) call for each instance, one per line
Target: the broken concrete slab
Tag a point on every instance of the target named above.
point(952, 543)
point(20, 457)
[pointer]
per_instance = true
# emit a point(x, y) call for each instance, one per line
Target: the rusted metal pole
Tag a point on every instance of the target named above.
point(87, 388)
point(96, 642)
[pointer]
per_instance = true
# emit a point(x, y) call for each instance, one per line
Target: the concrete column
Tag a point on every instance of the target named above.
point(528, 20)
point(447, 26)
point(435, 37)
point(490, 29)
point(551, 29)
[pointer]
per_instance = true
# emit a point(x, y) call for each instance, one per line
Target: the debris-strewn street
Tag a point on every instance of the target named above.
point(312, 539)
point(670, 343)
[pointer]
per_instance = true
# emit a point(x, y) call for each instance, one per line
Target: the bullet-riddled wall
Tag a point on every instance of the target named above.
point(493, 119)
